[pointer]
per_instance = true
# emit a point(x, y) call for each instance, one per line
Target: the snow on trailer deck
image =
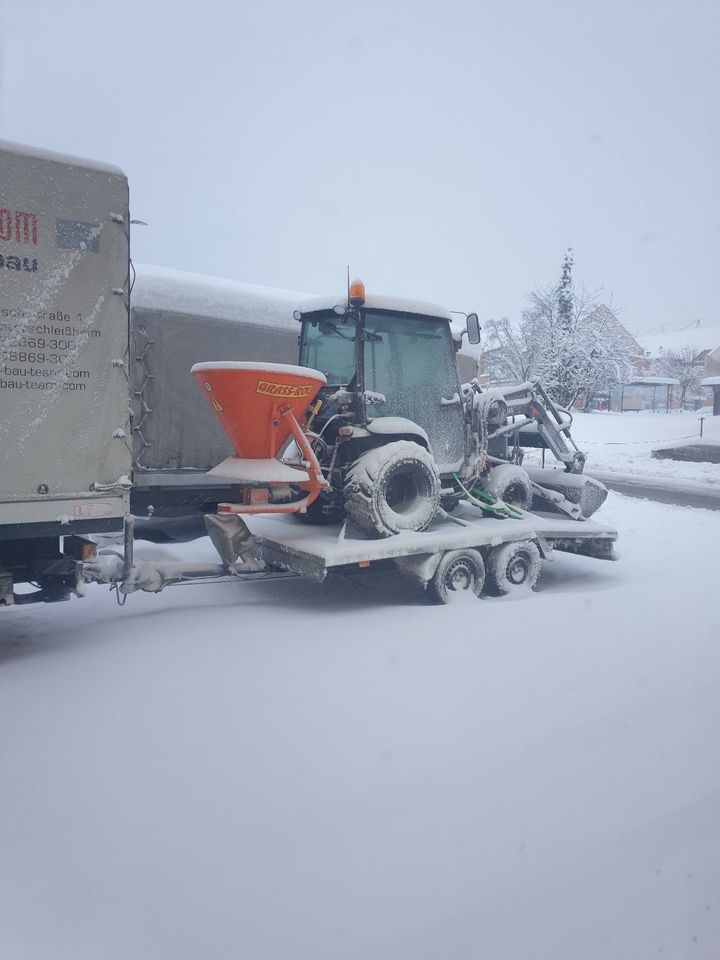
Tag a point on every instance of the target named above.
point(314, 551)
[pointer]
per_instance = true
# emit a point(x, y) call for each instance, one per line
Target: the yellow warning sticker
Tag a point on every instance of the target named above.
point(217, 406)
point(285, 391)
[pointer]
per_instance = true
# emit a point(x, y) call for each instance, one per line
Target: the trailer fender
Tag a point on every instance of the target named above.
point(419, 567)
point(545, 547)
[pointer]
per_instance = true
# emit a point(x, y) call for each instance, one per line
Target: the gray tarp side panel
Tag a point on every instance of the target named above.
point(174, 427)
point(61, 256)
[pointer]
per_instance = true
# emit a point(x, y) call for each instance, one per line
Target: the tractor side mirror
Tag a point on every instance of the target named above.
point(473, 328)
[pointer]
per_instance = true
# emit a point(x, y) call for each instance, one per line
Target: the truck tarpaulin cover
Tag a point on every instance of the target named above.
point(64, 258)
point(180, 319)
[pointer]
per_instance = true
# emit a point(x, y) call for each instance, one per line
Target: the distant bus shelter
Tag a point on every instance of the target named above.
point(644, 393)
point(714, 384)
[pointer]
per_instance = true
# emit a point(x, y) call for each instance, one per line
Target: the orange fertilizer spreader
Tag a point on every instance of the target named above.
point(260, 405)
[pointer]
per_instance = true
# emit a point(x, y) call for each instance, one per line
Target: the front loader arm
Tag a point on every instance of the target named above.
point(536, 413)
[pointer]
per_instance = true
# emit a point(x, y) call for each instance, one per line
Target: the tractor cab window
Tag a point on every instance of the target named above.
point(411, 362)
point(327, 344)
point(409, 366)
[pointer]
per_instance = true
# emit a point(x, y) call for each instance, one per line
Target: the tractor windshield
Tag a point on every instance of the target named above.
point(409, 366)
point(411, 362)
point(328, 344)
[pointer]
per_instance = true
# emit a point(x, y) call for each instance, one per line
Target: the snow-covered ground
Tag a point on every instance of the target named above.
point(286, 770)
point(623, 442)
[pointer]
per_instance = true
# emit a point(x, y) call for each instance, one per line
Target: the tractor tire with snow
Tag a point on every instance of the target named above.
point(514, 567)
point(460, 573)
point(511, 484)
point(392, 488)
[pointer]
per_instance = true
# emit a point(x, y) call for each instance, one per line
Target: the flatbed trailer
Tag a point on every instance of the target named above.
point(452, 556)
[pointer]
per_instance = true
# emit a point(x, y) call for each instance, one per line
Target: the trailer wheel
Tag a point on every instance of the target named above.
point(511, 484)
point(514, 567)
point(460, 573)
point(393, 488)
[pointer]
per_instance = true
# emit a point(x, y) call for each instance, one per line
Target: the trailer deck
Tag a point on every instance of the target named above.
point(453, 554)
point(314, 551)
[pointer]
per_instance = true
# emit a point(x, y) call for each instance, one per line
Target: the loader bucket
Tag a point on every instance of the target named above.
point(246, 398)
point(578, 488)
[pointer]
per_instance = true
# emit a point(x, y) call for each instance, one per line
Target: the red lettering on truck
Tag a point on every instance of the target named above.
point(18, 225)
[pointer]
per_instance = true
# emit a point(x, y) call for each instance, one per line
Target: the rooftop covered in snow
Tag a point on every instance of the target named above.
point(654, 382)
point(37, 153)
point(378, 301)
point(699, 337)
point(194, 294)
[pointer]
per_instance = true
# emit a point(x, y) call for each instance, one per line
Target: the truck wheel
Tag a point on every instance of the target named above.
point(511, 484)
point(392, 488)
point(514, 567)
point(460, 573)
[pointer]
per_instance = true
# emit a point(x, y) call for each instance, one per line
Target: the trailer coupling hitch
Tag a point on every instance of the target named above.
point(238, 550)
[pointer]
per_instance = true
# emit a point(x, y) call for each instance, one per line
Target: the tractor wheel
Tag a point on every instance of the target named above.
point(392, 488)
point(514, 567)
point(460, 573)
point(511, 484)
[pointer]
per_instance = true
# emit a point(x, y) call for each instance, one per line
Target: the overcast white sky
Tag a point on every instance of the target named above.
point(446, 150)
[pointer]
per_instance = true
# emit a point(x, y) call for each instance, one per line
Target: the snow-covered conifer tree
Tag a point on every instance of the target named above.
point(566, 338)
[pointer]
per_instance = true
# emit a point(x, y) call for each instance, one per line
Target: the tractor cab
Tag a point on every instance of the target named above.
point(391, 365)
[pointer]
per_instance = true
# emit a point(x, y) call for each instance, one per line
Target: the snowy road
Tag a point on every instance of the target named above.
point(283, 770)
point(683, 493)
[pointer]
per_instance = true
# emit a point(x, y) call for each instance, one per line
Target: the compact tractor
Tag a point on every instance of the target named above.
point(375, 426)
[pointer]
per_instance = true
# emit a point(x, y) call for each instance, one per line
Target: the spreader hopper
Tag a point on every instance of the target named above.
point(260, 405)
